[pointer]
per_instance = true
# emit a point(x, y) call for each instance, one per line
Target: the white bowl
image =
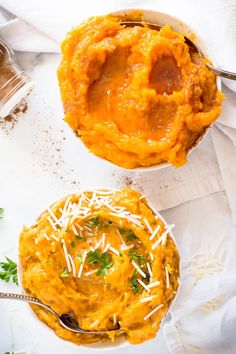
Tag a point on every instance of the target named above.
point(162, 19)
point(119, 342)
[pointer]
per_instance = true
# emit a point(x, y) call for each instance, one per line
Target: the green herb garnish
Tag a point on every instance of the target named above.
point(95, 220)
point(9, 271)
point(123, 231)
point(1, 212)
point(79, 237)
point(103, 259)
point(72, 244)
point(134, 283)
point(131, 236)
point(65, 273)
point(80, 259)
point(139, 258)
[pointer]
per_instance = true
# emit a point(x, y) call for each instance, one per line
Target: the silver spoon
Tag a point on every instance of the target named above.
point(66, 320)
point(220, 72)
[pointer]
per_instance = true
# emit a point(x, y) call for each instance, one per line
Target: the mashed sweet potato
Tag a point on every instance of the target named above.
point(135, 96)
point(105, 258)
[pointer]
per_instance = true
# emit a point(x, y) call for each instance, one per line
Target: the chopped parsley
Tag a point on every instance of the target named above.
point(134, 283)
point(1, 212)
point(72, 244)
point(103, 259)
point(138, 258)
point(79, 259)
point(65, 273)
point(79, 237)
point(95, 220)
point(9, 271)
point(131, 236)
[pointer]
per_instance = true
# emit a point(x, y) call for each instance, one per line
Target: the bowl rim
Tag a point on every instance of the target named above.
point(119, 342)
point(179, 26)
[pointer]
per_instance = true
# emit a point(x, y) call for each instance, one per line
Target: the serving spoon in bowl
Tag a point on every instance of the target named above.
point(66, 320)
point(220, 72)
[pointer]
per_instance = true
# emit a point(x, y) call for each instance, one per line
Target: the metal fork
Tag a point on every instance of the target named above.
point(66, 320)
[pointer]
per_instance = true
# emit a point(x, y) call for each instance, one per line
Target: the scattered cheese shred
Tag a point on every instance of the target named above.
point(135, 265)
point(74, 230)
point(148, 298)
point(153, 311)
point(143, 285)
point(91, 272)
point(155, 232)
point(47, 237)
point(52, 223)
point(55, 237)
point(72, 265)
point(149, 270)
point(163, 236)
point(148, 226)
point(66, 255)
point(112, 249)
point(152, 285)
point(82, 264)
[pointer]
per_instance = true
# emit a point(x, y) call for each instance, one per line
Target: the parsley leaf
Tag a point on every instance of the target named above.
point(79, 237)
point(103, 259)
point(134, 283)
point(80, 259)
point(95, 220)
point(65, 273)
point(138, 258)
point(72, 244)
point(1, 212)
point(9, 271)
point(131, 236)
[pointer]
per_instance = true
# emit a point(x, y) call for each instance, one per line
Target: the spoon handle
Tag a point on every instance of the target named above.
point(21, 297)
point(223, 73)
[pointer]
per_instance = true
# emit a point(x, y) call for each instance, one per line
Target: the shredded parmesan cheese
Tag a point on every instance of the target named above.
point(148, 225)
point(153, 311)
point(149, 270)
point(72, 265)
point(52, 223)
point(66, 255)
point(135, 265)
point(112, 249)
point(143, 285)
point(91, 272)
point(155, 232)
point(152, 285)
point(147, 299)
point(82, 264)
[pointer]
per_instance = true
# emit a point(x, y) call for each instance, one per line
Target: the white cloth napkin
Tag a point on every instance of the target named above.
point(203, 315)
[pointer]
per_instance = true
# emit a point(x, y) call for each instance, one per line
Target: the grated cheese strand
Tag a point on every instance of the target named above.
point(72, 265)
point(52, 223)
point(163, 236)
point(153, 311)
point(147, 299)
point(112, 249)
point(143, 285)
point(91, 272)
point(149, 270)
point(135, 265)
point(152, 285)
point(66, 255)
point(148, 226)
point(155, 232)
point(82, 264)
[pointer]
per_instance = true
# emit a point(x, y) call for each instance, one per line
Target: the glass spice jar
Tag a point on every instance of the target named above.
point(15, 84)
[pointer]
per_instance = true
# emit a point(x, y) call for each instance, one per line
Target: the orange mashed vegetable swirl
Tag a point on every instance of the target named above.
point(107, 236)
point(135, 96)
